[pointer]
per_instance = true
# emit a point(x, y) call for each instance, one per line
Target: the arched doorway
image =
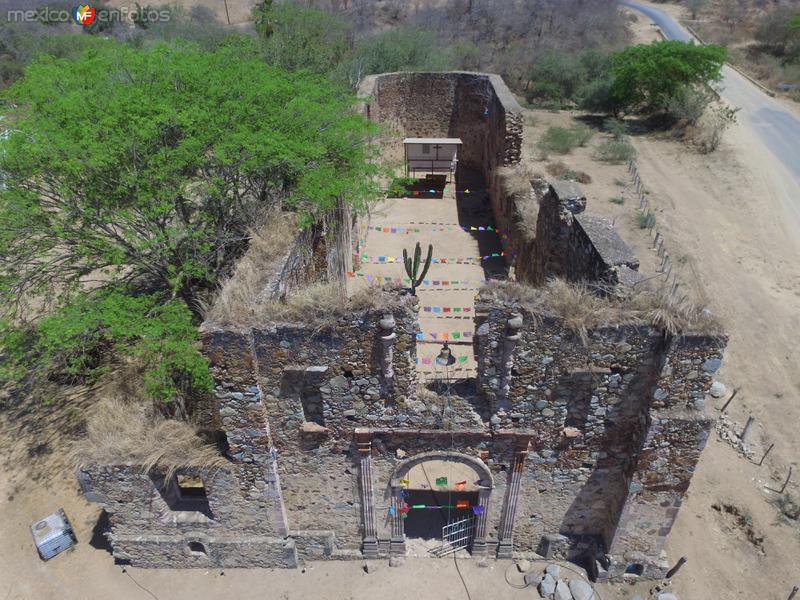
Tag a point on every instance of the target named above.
point(441, 499)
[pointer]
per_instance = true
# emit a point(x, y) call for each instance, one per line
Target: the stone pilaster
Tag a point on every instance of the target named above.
point(370, 540)
point(397, 545)
point(479, 546)
point(505, 547)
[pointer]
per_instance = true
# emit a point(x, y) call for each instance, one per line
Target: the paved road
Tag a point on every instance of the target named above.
point(775, 126)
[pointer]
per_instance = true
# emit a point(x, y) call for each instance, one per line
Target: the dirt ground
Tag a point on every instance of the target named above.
point(730, 226)
point(234, 12)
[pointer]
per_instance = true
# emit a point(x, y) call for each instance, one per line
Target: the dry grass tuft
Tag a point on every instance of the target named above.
point(268, 244)
point(321, 304)
point(582, 309)
point(119, 432)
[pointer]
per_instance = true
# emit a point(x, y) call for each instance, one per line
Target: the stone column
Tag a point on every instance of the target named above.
point(505, 548)
point(364, 445)
point(479, 543)
point(512, 336)
point(387, 325)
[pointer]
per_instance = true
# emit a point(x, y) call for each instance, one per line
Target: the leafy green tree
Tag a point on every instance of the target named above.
point(70, 344)
point(296, 38)
point(132, 177)
point(556, 76)
point(400, 49)
point(646, 76)
point(150, 165)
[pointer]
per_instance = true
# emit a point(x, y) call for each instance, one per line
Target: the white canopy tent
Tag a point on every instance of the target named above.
point(431, 155)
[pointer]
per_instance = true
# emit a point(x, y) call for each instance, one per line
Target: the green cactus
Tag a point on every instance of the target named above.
point(412, 267)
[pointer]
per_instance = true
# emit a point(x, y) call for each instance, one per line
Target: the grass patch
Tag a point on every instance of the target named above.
point(581, 309)
point(239, 294)
point(400, 187)
point(645, 221)
point(617, 200)
point(614, 151)
point(119, 432)
point(562, 140)
point(788, 508)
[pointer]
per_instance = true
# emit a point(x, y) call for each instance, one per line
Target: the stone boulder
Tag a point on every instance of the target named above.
point(581, 590)
point(547, 587)
point(562, 591)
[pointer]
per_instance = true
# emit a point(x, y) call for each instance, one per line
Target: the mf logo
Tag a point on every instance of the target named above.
point(84, 14)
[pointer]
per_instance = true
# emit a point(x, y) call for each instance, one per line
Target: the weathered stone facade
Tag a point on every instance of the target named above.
point(572, 446)
point(583, 449)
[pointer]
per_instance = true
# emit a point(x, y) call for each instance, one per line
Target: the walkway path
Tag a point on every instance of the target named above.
point(447, 300)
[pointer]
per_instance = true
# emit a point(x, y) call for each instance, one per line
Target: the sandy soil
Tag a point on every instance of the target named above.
point(734, 241)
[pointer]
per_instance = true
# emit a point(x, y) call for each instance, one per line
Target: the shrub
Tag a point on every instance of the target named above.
point(555, 77)
point(304, 38)
point(788, 507)
point(399, 49)
point(617, 200)
point(562, 140)
point(711, 128)
point(557, 168)
point(71, 344)
point(646, 220)
point(558, 76)
point(614, 151)
point(645, 76)
point(597, 97)
point(399, 187)
point(688, 105)
point(617, 128)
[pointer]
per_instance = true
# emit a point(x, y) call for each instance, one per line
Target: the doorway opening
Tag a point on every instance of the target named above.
point(429, 512)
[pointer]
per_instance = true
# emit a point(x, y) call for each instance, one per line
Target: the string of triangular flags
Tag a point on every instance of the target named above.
point(460, 505)
point(460, 260)
point(446, 309)
point(409, 230)
point(406, 280)
point(430, 361)
point(447, 335)
point(446, 191)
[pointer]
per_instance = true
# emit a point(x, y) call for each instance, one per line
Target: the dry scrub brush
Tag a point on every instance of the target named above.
point(583, 309)
point(119, 432)
point(269, 243)
point(319, 304)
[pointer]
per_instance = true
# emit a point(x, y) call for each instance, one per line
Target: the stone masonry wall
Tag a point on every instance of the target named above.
point(590, 443)
point(617, 427)
point(476, 107)
point(147, 531)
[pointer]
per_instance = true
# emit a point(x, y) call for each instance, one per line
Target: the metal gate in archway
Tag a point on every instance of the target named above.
point(456, 535)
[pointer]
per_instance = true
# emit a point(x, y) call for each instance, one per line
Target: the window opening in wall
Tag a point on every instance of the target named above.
point(635, 569)
point(197, 549)
point(191, 487)
point(426, 148)
point(311, 400)
point(185, 495)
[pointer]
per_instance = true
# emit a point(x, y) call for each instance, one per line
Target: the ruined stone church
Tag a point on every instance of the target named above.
point(341, 441)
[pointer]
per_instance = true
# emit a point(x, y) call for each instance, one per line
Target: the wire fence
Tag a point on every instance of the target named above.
point(647, 217)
